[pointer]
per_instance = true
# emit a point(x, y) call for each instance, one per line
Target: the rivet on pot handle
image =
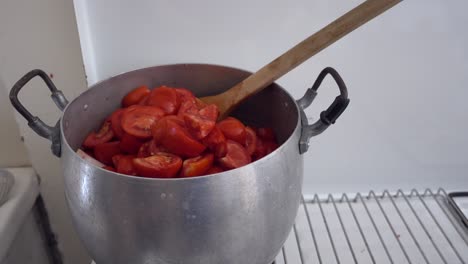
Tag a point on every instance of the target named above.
point(36, 124)
point(328, 116)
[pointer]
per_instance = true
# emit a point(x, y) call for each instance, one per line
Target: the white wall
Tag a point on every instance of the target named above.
point(12, 151)
point(43, 34)
point(407, 122)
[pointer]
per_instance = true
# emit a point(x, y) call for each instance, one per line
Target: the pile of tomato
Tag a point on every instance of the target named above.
point(168, 132)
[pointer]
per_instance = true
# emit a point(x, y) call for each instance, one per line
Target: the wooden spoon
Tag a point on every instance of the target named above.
point(228, 100)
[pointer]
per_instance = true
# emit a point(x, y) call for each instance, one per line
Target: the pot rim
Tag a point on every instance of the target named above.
point(144, 179)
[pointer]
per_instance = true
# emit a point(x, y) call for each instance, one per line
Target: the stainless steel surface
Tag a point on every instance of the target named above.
point(240, 216)
point(398, 227)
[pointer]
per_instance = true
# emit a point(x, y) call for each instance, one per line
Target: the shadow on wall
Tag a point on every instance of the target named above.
point(12, 150)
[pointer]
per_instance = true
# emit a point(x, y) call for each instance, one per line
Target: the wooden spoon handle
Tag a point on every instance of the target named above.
point(301, 52)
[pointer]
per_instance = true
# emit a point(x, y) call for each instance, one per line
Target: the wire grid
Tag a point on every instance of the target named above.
point(389, 227)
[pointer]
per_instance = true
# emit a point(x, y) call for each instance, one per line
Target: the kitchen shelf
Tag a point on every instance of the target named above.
point(399, 227)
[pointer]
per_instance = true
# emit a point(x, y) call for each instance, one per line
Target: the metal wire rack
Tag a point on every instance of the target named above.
point(414, 227)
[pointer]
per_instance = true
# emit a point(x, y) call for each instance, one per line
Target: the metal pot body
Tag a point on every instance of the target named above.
point(239, 216)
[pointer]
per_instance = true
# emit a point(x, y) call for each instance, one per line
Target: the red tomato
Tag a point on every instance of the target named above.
point(250, 140)
point(200, 104)
point(137, 120)
point(144, 100)
point(216, 142)
point(260, 150)
point(105, 134)
point(184, 95)
point(149, 148)
point(211, 112)
point(187, 107)
point(213, 170)
point(197, 166)
point(130, 144)
point(266, 133)
point(176, 138)
point(232, 129)
point(198, 126)
point(165, 98)
point(105, 151)
point(116, 119)
point(270, 146)
point(109, 168)
point(124, 164)
point(135, 96)
point(161, 165)
point(236, 156)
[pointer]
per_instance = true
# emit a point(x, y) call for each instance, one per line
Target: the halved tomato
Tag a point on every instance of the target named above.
point(216, 142)
point(213, 170)
point(175, 138)
point(109, 168)
point(236, 156)
point(116, 119)
point(105, 151)
point(161, 165)
point(198, 126)
point(211, 112)
point(130, 144)
point(250, 140)
point(187, 107)
point(165, 98)
point(233, 129)
point(270, 146)
point(124, 164)
point(197, 166)
point(135, 96)
point(184, 95)
point(137, 120)
point(105, 134)
point(266, 133)
point(149, 148)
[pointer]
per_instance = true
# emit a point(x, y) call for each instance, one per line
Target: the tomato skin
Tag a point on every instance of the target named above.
point(109, 168)
point(216, 142)
point(130, 144)
point(197, 166)
point(105, 134)
point(187, 107)
point(137, 120)
point(198, 126)
point(266, 133)
point(124, 164)
point(165, 98)
point(210, 112)
point(214, 170)
point(176, 139)
point(161, 165)
point(135, 96)
point(236, 156)
point(233, 129)
point(250, 143)
point(184, 95)
point(115, 120)
point(105, 151)
point(270, 146)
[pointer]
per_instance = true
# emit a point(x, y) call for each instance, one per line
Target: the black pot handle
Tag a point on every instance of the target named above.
point(328, 116)
point(36, 124)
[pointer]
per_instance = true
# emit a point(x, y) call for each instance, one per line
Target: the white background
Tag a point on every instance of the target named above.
point(406, 72)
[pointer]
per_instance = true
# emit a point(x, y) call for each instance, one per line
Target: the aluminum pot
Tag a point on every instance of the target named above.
point(238, 216)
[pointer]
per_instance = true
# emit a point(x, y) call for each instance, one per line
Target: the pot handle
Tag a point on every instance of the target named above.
point(36, 124)
point(328, 116)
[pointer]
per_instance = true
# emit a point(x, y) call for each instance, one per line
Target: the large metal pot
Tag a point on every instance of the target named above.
point(239, 216)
